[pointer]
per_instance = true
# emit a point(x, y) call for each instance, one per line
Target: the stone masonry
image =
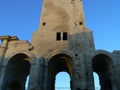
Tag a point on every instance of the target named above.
point(62, 43)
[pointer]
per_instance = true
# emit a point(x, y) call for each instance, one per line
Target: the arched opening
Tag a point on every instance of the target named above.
point(58, 63)
point(17, 70)
point(62, 81)
point(102, 65)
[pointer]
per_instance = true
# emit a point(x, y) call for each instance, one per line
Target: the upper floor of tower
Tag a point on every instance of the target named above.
point(65, 13)
point(62, 24)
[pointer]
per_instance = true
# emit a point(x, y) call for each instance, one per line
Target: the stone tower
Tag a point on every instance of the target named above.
point(62, 43)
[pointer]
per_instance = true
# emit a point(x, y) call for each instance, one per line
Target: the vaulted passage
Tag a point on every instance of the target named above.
point(102, 65)
point(58, 63)
point(17, 70)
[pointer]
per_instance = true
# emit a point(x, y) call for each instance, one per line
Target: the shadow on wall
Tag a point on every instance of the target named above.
point(81, 41)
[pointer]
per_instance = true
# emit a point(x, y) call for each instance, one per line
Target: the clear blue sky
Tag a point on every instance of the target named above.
point(22, 17)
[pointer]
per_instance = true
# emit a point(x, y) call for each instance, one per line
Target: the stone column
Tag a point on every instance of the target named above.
point(45, 85)
point(2, 56)
point(115, 79)
point(80, 69)
point(83, 72)
point(2, 74)
point(89, 73)
point(3, 51)
point(76, 78)
point(36, 74)
point(33, 79)
point(90, 79)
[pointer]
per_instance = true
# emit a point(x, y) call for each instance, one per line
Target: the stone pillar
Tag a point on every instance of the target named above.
point(3, 51)
point(76, 77)
point(80, 72)
point(83, 72)
point(115, 79)
point(78, 81)
point(89, 73)
point(2, 74)
point(36, 74)
point(33, 78)
point(2, 56)
point(45, 85)
point(40, 73)
point(90, 78)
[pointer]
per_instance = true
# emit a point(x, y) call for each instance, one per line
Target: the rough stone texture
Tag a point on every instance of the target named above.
point(62, 43)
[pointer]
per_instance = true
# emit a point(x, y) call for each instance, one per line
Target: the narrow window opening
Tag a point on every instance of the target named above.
point(44, 23)
point(80, 23)
point(58, 36)
point(64, 35)
point(76, 55)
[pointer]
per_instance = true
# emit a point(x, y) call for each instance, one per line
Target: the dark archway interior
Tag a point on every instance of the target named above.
point(58, 63)
point(102, 64)
point(17, 70)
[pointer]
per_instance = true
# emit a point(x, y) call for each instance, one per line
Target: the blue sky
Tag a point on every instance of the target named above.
point(102, 17)
point(22, 17)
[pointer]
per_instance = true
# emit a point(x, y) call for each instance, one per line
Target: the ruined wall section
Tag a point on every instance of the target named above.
point(11, 46)
point(116, 61)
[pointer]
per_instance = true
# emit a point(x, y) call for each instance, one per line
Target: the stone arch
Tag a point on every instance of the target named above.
point(58, 63)
point(56, 52)
point(30, 55)
point(16, 72)
point(102, 64)
point(97, 52)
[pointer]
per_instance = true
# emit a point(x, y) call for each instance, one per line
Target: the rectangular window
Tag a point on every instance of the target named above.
point(64, 35)
point(58, 36)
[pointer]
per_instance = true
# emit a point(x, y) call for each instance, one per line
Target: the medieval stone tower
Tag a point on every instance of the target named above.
point(62, 43)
